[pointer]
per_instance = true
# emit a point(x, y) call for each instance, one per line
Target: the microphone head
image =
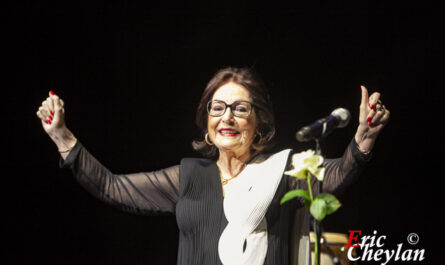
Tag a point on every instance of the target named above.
point(304, 134)
point(343, 116)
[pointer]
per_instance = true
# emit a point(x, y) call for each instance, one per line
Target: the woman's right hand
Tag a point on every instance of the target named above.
point(52, 116)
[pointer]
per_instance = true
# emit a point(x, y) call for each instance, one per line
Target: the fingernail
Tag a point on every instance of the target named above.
point(369, 119)
point(370, 123)
point(48, 122)
point(50, 117)
point(372, 106)
point(51, 92)
point(52, 112)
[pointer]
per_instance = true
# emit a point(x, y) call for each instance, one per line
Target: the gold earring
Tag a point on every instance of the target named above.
point(260, 135)
point(207, 139)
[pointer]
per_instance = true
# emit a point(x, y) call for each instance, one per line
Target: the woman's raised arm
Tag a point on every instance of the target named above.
point(373, 117)
point(52, 116)
point(144, 193)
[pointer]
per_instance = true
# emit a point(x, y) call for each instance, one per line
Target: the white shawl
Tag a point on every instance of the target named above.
point(246, 202)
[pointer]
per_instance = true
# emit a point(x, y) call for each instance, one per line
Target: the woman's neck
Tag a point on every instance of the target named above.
point(231, 163)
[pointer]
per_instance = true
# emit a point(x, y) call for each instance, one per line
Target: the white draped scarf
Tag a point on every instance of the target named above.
point(246, 202)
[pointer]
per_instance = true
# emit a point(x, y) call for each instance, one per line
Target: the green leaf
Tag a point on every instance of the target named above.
point(332, 203)
point(294, 193)
point(318, 209)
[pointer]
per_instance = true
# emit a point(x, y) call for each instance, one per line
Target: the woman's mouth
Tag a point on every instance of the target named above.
point(228, 132)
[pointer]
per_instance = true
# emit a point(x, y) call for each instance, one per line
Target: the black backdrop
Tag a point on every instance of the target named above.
point(131, 76)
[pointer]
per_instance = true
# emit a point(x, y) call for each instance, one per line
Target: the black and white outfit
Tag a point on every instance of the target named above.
point(245, 226)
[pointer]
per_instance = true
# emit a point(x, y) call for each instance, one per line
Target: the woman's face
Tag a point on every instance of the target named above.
point(228, 132)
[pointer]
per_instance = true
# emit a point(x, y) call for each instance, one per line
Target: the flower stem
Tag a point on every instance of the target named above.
point(317, 241)
point(317, 262)
point(309, 188)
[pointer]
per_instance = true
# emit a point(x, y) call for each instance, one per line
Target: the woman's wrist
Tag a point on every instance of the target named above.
point(64, 140)
point(364, 148)
point(364, 143)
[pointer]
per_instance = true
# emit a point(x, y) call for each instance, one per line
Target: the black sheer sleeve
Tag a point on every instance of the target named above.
point(340, 172)
point(142, 193)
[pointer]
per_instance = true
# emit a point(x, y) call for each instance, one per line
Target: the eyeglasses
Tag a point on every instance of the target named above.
point(239, 108)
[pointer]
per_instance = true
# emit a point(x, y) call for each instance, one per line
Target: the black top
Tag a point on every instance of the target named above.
point(193, 192)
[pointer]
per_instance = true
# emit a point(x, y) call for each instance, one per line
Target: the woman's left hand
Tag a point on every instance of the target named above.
point(372, 119)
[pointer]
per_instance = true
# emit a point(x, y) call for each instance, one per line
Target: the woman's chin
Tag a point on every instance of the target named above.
point(227, 145)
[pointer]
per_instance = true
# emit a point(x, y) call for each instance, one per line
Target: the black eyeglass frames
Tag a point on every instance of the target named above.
point(239, 108)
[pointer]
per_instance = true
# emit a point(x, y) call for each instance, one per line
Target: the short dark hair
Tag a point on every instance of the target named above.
point(249, 79)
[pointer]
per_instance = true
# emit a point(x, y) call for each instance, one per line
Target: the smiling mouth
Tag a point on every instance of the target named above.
point(228, 132)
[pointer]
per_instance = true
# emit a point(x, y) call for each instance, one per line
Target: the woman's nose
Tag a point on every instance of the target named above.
point(228, 115)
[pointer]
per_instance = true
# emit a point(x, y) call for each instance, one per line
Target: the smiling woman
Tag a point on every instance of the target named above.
point(228, 83)
point(228, 132)
point(227, 206)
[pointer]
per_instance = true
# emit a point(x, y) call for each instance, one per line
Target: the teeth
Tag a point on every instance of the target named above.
point(227, 131)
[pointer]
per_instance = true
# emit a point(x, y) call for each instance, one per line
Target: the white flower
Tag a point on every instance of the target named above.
point(307, 162)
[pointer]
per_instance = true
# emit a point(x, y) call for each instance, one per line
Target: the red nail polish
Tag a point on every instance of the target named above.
point(370, 123)
point(369, 119)
point(372, 106)
point(47, 121)
point(52, 112)
point(51, 92)
point(51, 117)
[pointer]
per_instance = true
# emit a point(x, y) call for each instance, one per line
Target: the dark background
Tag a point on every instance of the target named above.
point(131, 76)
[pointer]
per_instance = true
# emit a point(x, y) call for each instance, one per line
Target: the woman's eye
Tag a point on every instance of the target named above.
point(217, 108)
point(241, 108)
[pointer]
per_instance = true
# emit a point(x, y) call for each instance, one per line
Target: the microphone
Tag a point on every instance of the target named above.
point(339, 118)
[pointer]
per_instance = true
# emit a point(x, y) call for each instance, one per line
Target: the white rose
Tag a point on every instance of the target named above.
point(306, 162)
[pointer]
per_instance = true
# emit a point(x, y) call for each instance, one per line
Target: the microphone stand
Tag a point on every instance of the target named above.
point(338, 118)
point(316, 224)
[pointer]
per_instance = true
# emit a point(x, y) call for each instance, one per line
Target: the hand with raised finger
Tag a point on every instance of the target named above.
point(372, 119)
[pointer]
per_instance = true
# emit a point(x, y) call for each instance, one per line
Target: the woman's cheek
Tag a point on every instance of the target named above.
point(243, 137)
point(211, 128)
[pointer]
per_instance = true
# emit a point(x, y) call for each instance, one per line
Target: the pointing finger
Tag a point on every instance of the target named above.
point(365, 99)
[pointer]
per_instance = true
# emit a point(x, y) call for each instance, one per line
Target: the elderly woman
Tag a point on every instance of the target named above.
point(227, 205)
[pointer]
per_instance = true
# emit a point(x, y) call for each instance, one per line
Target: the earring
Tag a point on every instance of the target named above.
point(260, 135)
point(207, 139)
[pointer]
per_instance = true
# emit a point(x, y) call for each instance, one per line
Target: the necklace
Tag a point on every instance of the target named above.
point(224, 180)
